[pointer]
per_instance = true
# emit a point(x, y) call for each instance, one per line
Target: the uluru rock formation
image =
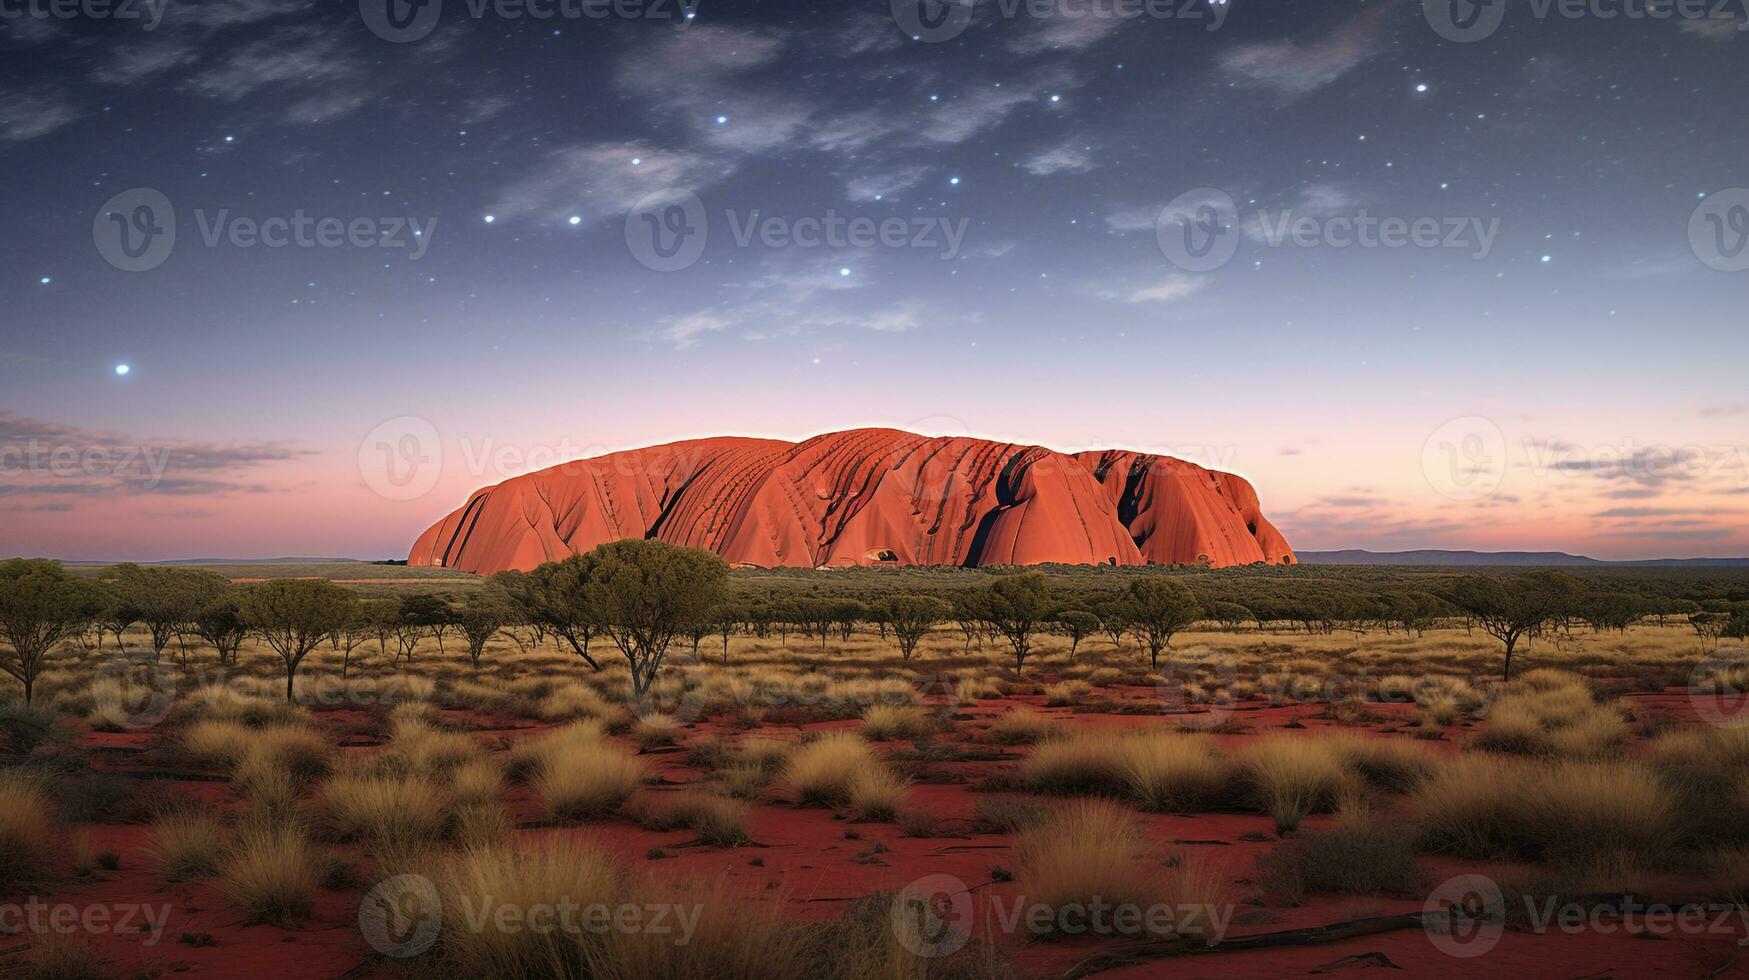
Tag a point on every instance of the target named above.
point(865, 497)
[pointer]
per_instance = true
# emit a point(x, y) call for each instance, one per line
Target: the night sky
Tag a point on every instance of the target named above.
point(1559, 366)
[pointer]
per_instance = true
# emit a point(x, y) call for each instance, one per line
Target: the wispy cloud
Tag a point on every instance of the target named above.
point(1294, 69)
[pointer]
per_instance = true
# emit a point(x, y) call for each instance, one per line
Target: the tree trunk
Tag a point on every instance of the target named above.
point(291, 672)
point(1510, 643)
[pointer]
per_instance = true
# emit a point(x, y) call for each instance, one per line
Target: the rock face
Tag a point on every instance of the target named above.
point(865, 497)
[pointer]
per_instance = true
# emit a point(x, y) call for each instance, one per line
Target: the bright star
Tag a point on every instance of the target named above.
point(844, 272)
point(122, 369)
point(1422, 87)
point(491, 218)
point(955, 181)
point(45, 280)
point(575, 220)
point(722, 119)
point(1056, 98)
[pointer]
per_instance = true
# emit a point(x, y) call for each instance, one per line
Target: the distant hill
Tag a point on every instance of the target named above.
point(1355, 556)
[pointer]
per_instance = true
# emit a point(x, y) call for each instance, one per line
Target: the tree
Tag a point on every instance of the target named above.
point(168, 600)
point(116, 616)
point(1077, 625)
point(421, 613)
point(294, 615)
point(221, 624)
point(1518, 606)
point(556, 598)
point(729, 618)
point(1231, 615)
point(644, 593)
point(817, 615)
point(1114, 619)
point(1159, 608)
point(41, 604)
point(482, 616)
point(847, 615)
point(913, 617)
point(1017, 607)
point(1612, 611)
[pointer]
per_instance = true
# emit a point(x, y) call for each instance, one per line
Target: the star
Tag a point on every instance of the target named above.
point(1422, 87)
point(491, 218)
point(573, 219)
point(722, 120)
point(955, 181)
point(45, 280)
point(122, 369)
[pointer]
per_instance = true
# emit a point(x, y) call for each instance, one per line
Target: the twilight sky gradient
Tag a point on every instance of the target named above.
point(1578, 387)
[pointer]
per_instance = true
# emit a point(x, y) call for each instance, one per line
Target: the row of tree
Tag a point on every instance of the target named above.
point(644, 596)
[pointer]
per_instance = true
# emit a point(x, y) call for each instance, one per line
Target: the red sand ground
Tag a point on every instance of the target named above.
point(865, 497)
point(809, 862)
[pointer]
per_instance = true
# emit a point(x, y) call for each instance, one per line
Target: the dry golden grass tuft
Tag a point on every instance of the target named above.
point(655, 731)
point(187, 843)
point(479, 881)
point(271, 873)
point(821, 771)
point(27, 839)
point(1091, 850)
point(875, 793)
point(393, 815)
point(1290, 777)
point(1356, 855)
point(585, 779)
point(716, 819)
point(1087, 762)
point(884, 722)
point(1174, 773)
point(1023, 726)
